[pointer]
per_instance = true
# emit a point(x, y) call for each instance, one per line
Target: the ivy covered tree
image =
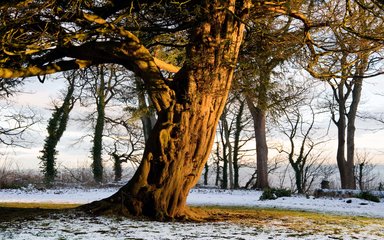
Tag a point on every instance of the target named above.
point(56, 127)
point(105, 89)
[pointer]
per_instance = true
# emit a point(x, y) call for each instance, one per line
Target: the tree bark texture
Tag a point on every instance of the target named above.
point(188, 109)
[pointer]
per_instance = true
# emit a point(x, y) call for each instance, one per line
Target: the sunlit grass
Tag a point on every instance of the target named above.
point(38, 205)
point(300, 222)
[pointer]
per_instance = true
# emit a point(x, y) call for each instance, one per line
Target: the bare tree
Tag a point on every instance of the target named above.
point(344, 60)
point(364, 170)
point(232, 137)
point(300, 131)
point(15, 125)
point(103, 86)
point(270, 42)
point(127, 146)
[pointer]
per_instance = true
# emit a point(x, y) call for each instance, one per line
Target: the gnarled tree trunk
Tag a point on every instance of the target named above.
point(189, 109)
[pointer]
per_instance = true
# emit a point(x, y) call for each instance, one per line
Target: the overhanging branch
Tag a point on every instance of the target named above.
point(42, 70)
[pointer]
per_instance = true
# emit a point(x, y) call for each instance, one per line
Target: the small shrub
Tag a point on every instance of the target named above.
point(282, 192)
point(268, 195)
point(368, 196)
point(274, 193)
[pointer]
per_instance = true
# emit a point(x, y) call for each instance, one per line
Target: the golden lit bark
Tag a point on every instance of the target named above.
point(181, 141)
point(188, 106)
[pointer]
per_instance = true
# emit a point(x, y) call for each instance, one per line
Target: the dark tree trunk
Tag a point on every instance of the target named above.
point(224, 154)
point(259, 119)
point(117, 167)
point(346, 166)
point(226, 150)
point(361, 176)
point(188, 112)
point(236, 145)
point(356, 95)
point(261, 150)
point(206, 173)
point(346, 124)
point(347, 177)
point(217, 181)
point(228, 157)
point(97, 164)
point(346, 173)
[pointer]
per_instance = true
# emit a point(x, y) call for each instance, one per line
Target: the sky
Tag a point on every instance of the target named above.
point(75, 153)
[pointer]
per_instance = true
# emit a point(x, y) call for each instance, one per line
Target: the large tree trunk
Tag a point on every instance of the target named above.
point(188, 113)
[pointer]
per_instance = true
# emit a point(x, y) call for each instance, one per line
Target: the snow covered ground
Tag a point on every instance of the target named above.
point(208, 197)
point(85, 227)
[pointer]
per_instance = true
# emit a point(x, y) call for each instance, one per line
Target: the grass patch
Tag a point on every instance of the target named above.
point(38, 205)
point(368, 196)
point(298, 222)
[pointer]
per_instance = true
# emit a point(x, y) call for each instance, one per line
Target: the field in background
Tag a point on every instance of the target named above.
point(11, 177)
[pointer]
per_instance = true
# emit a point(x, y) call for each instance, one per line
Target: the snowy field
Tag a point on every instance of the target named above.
point(208, 197)
point(84, 227)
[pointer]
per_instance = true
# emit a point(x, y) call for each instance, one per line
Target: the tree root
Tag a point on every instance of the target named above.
point(194, 215)
point(110, 208)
